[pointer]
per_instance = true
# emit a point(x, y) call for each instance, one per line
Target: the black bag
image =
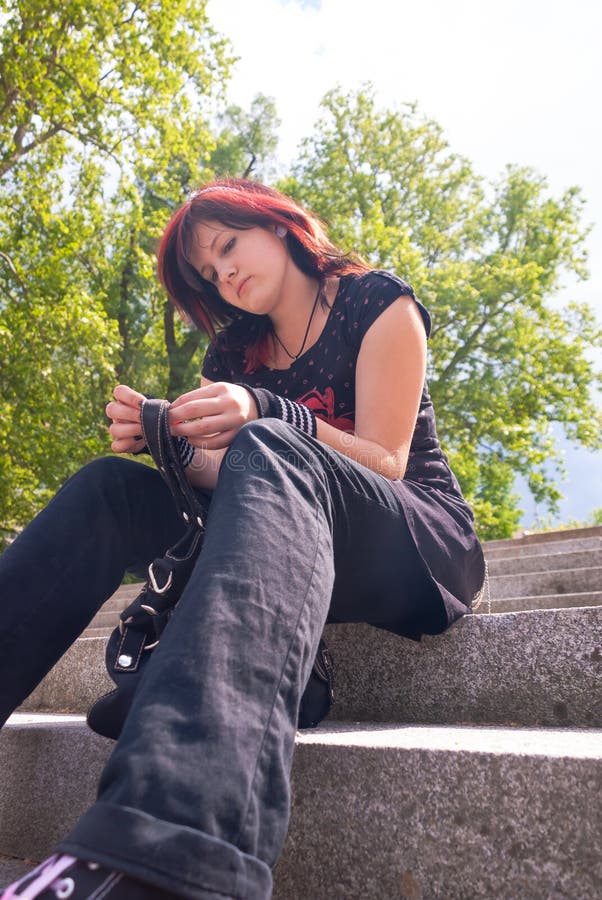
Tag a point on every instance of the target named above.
point(143, 621)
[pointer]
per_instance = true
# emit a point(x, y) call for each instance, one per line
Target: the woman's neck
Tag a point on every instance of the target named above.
point(292, 327)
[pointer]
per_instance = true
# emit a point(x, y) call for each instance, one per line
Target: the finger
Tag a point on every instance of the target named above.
point(127, 395)
point(204, 426)
point(126, 445)
point(130, 430)
point(195, 409)
point(210, 390)
point(120, 412)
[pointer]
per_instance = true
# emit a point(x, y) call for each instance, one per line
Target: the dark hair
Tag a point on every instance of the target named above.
point(240, 204)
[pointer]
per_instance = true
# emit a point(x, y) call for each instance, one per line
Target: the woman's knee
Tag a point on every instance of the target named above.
point(105, 470)
point(261, 438)
point(110, 480)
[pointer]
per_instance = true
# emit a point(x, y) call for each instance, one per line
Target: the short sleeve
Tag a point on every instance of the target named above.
point(215, 366)
point(375, 291)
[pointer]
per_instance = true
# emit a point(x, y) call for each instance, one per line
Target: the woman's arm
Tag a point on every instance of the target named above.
point(390, 374)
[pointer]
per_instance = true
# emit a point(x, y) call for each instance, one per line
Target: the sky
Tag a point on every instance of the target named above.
point(517, 82)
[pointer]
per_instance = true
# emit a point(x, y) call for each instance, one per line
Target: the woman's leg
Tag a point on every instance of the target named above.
point(195, 798)
point(113, 515)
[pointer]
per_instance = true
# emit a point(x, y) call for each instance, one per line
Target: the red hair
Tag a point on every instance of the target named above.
point(240, 204)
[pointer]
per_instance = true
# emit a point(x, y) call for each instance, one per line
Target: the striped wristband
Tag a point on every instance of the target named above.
point(274, 406)
point(185, 449)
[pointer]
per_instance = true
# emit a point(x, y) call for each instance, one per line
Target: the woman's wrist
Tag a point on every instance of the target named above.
point(270, 405)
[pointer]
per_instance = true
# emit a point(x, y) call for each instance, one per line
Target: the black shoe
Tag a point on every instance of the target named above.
point(62, 876)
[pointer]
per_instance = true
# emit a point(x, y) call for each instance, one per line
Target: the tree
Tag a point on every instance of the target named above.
point(487, 260)
point(109, 121)
point(100, 74)
point(90, 95)
point(57, 348)
point(246, 140)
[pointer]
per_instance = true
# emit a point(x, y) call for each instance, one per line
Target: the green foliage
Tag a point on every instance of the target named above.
point(246, 139)
point(594, 520)
point(107, 123)
point(486, 259)
point(58, 351)
point(108, 120)
point(93, 99)
point(104, 73)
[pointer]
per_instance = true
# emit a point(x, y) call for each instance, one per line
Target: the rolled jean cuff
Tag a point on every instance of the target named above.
point(188, 862)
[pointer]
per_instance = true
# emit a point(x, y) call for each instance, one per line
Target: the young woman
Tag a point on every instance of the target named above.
point(312, 442)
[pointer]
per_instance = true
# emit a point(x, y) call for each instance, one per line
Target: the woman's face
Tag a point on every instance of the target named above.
point(249, 268)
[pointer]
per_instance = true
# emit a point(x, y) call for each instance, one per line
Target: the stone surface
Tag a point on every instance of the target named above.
point(552, 581)
point(550, 548)
point(547, 537)
point(546, 601)
point(50, 767)
point(379, 812)
point(576, 559)
point(529, 668)
point(443, 813)
point(76, 681)
point(12, 869)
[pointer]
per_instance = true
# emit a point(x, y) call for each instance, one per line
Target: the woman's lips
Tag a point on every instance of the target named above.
point(242, 285)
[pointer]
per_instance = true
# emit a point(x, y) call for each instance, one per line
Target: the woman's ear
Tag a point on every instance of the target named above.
point(280, 231)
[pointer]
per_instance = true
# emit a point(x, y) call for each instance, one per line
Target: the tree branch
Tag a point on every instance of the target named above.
point(22, 150)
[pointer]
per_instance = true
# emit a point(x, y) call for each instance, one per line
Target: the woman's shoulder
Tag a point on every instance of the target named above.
point(369, 293)
point(381, 282)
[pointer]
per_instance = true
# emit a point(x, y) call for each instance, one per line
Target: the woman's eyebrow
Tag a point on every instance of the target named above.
point(208, 249)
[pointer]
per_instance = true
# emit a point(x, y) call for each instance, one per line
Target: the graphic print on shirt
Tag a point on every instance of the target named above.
point(323, 405)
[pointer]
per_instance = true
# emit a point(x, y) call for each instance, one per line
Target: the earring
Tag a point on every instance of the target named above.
point(280, 231)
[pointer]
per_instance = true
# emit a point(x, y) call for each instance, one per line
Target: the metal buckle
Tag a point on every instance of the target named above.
point(153, 581)
point(146, 646)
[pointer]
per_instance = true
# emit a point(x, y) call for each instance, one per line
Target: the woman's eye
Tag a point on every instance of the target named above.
point(229, 245)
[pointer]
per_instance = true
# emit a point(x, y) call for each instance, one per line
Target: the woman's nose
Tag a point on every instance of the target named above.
point(226, 272)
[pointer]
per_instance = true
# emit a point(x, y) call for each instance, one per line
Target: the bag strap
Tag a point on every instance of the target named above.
point(143, 620)
point(154, 419)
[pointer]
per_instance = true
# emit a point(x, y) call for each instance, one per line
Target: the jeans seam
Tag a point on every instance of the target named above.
point(276, 694)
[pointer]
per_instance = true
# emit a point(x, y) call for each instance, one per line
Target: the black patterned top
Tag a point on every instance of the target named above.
point(323, 378)
point(440, 521)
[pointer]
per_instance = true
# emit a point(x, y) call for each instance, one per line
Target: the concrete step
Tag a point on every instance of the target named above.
point(11, 869)
point(519, 604)
point(378, 812)
point(104, 622)
point(554, 581)
point(511, 559)
point(547, 537)
point(99, 629)
point(575, 559)
point(529, 668)
point(549, 548)
point(106, 618)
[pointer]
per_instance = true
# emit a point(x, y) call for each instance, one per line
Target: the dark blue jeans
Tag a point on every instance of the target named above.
point(195, 797)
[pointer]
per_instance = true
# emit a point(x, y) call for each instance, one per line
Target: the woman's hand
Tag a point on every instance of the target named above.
point(125, 427)
point(211, 416)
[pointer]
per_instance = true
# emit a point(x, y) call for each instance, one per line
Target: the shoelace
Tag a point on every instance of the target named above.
point(48, 876)
point(46, 873)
